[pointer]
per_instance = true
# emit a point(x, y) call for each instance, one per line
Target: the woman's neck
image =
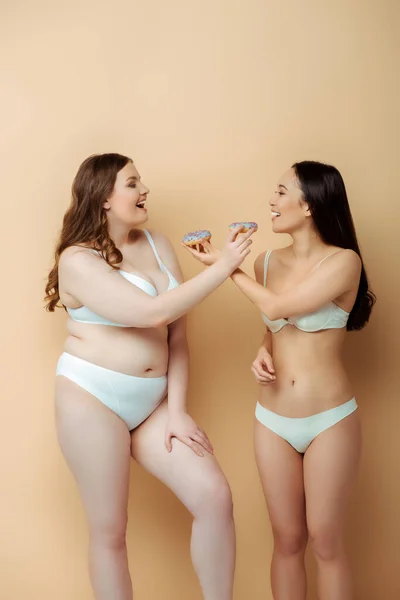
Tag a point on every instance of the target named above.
point(119, 234)
point(306, 244)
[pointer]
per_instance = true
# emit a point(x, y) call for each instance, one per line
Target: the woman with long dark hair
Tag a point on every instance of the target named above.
point(307, 429)
point(123, 290)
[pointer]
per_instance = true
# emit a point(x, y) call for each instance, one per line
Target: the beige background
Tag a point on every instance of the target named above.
point(213, 99)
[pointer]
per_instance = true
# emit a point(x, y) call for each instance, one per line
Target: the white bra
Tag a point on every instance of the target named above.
point(83, 314)
point(330, 316)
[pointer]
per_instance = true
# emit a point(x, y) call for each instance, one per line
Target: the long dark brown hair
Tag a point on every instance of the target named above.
point(325, 193)
point(85, 221)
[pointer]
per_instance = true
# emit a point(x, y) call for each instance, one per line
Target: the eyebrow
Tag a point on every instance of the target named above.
point(133, 178)
point(284, 186)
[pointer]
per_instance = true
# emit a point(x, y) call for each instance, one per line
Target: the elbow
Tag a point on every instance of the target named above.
point(163, 314)
point(271, 311)
point(151, 320)
point(154, 322)
point(158, 319)
point(155, 315)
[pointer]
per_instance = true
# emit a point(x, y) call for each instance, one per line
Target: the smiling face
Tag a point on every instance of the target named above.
point(289, 210)
point(126, 205)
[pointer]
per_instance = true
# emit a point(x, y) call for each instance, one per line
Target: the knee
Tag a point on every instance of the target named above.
point(214, 496)
point(223, 498)
point(290, 542)
point(110, 535)
point(326, 543)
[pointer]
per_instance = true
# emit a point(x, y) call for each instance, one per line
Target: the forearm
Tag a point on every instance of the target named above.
point(261, 297)
point(267, 341)
point(176, 303)
point(178, 375)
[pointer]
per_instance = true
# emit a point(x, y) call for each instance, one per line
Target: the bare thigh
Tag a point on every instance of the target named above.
point(281, 472)
point(96, 445)
point(193, 479)
point(330, 468)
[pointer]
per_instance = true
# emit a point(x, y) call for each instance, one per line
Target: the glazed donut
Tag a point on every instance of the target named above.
point(197, 237)
point(245, 225)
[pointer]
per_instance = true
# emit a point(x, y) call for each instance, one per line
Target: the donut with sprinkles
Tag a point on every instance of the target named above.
point(245, 225)
point(197, 237)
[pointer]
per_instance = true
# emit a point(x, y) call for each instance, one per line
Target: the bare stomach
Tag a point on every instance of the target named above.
point(138, 352)
point(310, 376)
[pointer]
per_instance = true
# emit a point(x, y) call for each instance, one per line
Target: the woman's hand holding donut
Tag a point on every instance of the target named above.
point(233, 253)
point(236, 248)
point(206, 253)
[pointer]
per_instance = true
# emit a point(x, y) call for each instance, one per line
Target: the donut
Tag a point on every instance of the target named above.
point(197, 237)
point(245, 225)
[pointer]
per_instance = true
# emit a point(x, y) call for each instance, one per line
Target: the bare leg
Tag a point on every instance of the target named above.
point(201, 486)
point(281, 472)
point(330, 468)
point(96, 445)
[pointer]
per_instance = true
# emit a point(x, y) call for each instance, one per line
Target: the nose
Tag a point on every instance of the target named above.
point(144, 189)
point(272, 200)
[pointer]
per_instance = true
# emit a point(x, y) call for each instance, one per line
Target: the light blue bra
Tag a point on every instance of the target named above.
point(330, 316)
point(83, 314)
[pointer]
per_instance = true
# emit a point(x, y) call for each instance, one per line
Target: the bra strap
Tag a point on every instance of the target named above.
point(266, 261)
point(325, 257)
point(153, 247)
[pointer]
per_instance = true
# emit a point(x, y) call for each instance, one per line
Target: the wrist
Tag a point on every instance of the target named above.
point(224, 267)
point(235, 272)
point(176, 410)
point(265, 349)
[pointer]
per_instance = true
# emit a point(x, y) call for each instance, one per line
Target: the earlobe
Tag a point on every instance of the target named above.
point(106, 205)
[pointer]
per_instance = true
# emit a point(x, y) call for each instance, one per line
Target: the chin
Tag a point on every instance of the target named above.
point(282, 227)
point(141, 221)
point(277, 229)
